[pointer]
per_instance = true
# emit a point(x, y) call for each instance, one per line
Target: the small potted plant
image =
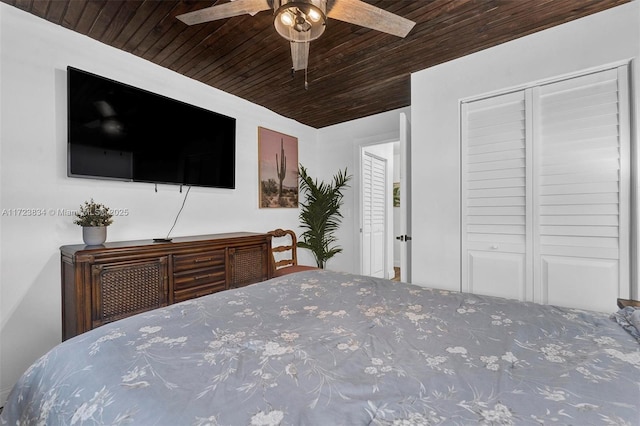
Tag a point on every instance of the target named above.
point(94, 219)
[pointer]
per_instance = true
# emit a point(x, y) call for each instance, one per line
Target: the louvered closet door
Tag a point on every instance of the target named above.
point(374, 171)
point(581, 192)
point(494, 196)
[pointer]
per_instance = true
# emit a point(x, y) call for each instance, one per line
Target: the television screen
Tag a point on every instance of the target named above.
point(116, 131)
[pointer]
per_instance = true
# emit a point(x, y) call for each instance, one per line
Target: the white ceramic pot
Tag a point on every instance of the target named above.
point(94, 235)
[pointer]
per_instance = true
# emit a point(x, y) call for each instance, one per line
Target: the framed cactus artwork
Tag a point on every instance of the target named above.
point(277, 169)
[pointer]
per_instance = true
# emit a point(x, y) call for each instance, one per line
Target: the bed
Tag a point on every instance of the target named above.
point(327, 348)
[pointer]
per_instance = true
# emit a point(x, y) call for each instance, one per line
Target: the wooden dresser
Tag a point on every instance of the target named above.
point(101, 284)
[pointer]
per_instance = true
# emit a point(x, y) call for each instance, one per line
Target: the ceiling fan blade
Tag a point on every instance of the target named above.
point(363, 14)
point(222, 11)
point(300, 55)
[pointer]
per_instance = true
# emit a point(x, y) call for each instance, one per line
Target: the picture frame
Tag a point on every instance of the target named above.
point(277, 169)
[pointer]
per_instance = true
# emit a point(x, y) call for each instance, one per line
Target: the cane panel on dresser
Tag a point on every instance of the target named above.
point(124, 289)
point(248, 264)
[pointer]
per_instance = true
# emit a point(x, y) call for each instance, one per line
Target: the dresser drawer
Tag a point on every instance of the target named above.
point(192, 292)
point(198, 282)
point(189, 262)
point(199, 278)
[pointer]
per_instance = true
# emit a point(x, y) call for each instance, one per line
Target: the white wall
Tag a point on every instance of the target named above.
point(339, 147)
point(34, 56)
point(599, 39)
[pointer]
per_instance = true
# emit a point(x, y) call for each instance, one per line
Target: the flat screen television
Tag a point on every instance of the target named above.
point(116, 131)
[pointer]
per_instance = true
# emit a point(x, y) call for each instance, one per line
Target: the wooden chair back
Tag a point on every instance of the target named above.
point(286, 242)
point(288, 263)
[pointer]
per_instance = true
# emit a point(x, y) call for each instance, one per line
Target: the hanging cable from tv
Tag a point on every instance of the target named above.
point(167, 238)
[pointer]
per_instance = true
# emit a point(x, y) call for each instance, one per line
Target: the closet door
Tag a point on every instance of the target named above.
point(494, 196)
point(581, 191)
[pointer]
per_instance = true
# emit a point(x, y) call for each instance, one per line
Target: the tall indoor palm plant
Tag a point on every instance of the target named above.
point(320, 214)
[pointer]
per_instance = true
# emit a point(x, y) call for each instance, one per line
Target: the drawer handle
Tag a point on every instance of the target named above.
point(494, 247)
point(203, 259)
point(201, 277)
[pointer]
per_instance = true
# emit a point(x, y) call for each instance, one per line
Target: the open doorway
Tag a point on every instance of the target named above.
point(379, 212)
point(395, 257)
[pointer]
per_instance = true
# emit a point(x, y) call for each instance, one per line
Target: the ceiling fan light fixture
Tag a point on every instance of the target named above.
point(300, 20)
point(314, 15)
point(287, 19)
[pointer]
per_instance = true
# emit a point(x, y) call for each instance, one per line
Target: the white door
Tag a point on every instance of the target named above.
point(405, 199)
point(582, 191)
point(374, 208)
point(494, 195)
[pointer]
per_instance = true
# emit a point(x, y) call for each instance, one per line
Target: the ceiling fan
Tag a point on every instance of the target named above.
point(302, 21)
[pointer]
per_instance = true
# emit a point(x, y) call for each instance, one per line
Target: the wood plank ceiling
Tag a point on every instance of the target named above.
point(353, 71)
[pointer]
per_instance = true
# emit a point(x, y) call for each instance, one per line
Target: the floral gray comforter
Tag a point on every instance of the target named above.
point(324, 348)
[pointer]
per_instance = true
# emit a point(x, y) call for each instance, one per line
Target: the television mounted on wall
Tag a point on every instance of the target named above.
point(117, 131)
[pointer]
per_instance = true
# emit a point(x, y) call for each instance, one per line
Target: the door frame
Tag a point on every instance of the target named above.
point(405, 199)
